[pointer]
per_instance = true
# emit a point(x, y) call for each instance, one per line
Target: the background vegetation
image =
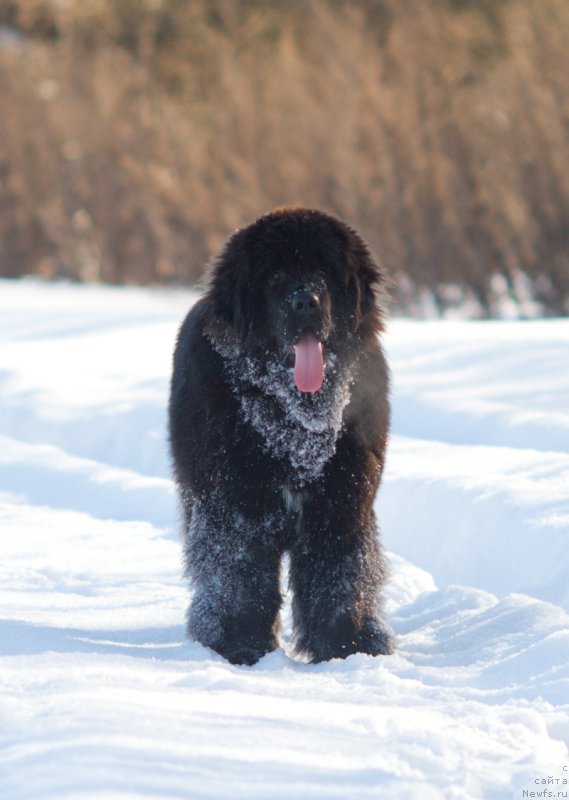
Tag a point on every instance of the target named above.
point(136, 134)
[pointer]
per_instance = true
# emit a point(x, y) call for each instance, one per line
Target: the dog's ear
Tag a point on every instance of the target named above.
point(367, 284)
point(227, 284)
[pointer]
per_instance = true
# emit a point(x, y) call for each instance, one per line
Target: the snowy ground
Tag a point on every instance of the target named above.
point(100, 694)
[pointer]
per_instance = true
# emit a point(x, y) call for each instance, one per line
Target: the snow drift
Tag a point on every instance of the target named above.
point(101, 694)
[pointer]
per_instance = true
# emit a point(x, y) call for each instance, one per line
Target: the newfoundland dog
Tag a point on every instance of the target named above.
point(279, 419)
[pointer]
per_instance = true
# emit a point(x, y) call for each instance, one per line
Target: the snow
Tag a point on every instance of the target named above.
point(102, 696)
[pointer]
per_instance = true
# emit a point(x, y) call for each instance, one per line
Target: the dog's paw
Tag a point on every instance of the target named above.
point(343, 639)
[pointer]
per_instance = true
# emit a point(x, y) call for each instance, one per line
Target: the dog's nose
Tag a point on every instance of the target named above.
point(304, 302)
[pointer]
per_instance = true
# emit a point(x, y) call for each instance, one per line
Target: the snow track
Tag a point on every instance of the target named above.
point(101, 695)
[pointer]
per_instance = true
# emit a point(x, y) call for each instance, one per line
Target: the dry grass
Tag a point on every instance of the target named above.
point(136, 134)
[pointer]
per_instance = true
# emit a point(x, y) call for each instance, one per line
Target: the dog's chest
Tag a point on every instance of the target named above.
point(306, 450)
point(301, 431)
point(294, 505)
point(293, 500)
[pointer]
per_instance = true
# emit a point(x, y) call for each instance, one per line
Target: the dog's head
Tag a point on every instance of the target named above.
point(298, 286)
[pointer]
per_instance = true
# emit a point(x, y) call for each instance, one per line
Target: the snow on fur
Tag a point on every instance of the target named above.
point(302, 428)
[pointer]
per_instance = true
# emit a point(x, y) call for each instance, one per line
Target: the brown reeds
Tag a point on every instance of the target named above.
point(134, 136)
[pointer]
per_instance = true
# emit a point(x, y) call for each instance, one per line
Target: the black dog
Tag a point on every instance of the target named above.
point(279, 418)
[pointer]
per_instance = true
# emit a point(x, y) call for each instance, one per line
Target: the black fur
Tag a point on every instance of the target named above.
point(262, 468)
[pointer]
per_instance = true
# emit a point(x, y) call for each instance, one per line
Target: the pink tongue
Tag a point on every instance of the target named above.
point(309, 364)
